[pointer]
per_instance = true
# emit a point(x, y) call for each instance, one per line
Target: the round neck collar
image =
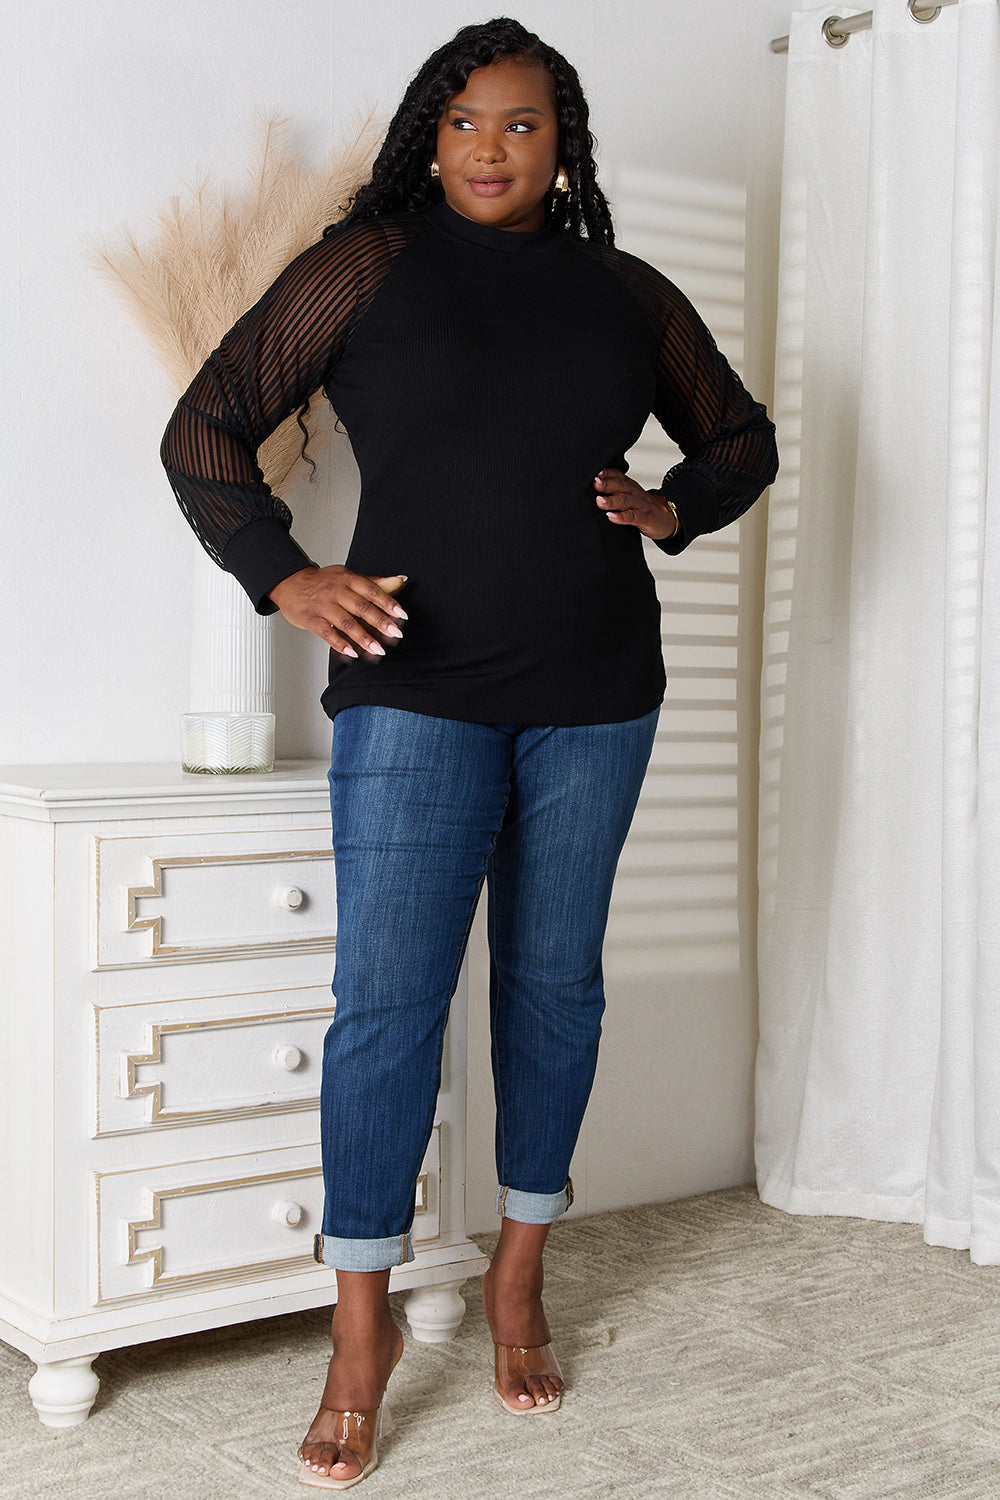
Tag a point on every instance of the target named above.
point(458, 227)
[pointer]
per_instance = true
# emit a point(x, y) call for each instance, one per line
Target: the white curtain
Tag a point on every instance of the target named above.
point(879, 1062)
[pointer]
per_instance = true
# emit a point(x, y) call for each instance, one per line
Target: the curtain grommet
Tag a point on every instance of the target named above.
point(930, 12)
point(831, 35)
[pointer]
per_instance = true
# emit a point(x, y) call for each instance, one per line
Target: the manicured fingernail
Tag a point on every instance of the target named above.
point(399, 612)
point(349, 651)
point(394, 631)
point(598, 480)
point(375, 648)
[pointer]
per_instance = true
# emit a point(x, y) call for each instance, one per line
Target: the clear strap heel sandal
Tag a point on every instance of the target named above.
point(513, 1363)
point(360, 1432)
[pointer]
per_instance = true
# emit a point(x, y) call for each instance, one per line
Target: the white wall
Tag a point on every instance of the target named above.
point(112, 107)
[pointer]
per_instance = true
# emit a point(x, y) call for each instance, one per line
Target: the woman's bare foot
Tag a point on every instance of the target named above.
point(366, 1346)
point(512, 1296)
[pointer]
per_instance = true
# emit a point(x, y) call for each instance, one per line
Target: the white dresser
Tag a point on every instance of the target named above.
point(166, 948)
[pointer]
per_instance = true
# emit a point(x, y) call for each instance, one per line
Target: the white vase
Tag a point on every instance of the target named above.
point(232, 678)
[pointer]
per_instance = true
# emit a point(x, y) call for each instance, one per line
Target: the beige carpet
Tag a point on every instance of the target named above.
point(713, 1348)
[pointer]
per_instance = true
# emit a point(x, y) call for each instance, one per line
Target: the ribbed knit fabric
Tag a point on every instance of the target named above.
point(485, 376)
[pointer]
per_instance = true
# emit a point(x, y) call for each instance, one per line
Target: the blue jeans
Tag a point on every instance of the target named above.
point(423, 810)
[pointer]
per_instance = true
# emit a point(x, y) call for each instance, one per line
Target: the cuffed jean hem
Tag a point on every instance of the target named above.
point(533, 1208)
point(362, 1255)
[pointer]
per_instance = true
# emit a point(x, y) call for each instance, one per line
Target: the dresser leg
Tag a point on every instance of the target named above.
point(434, 1312)
point(63, 1392)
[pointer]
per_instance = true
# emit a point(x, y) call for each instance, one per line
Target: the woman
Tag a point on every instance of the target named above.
point(490, 353)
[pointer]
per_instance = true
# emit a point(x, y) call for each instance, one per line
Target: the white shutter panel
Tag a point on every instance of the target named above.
point(675, 901)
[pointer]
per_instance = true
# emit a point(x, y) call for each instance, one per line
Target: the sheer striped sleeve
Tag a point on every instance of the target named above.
point(277, 356)
point(730, 455)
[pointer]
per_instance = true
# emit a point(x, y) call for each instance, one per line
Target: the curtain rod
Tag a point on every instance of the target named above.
point(837, 29)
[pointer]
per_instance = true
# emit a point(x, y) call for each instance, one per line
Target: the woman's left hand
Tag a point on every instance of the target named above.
point(626, 503)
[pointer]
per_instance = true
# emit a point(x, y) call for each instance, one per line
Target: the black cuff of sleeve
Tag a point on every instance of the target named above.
point(697, 505)
point(259, 556)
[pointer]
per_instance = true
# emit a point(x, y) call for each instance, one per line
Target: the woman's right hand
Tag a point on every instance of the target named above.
point(346, 610)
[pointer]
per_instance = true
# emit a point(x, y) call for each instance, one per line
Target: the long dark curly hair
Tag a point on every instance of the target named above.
point(401, 181)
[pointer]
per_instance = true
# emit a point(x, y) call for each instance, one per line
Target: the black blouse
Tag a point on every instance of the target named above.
point(484, 377)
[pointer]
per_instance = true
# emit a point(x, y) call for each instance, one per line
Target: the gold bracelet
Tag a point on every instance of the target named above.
point(669, 505)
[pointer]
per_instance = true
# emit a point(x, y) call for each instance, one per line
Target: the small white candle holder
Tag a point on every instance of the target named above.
point(227, 744)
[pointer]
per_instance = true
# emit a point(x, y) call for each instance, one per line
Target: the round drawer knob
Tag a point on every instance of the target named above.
point(288, 1213)
point(289, 897)
point(287, 1057)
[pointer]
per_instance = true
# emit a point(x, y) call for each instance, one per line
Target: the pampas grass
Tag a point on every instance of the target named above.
point(213, 252)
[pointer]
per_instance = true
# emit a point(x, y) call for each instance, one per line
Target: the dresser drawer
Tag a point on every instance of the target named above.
point(209, 1058)
point(194, 897)
point(175, 1228)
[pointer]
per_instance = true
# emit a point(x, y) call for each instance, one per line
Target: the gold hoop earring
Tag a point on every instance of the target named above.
point(435, 171)
point(561, 185)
